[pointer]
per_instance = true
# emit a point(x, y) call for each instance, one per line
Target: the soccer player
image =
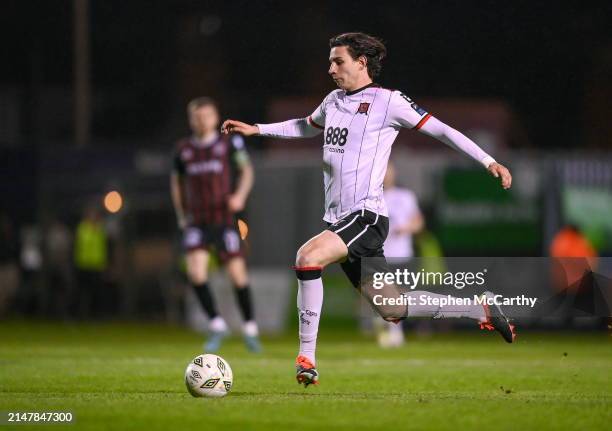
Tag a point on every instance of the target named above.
point(359, 122)
point(210, 183)
point(405, 220)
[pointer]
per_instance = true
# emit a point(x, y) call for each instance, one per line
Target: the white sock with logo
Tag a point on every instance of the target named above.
point(427, 304)
point(309, 304)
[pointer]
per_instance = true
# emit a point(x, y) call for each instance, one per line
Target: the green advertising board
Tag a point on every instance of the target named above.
point(475, 215)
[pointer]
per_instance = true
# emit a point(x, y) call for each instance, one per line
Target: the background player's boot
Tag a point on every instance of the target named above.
point(497, 320)
point(253, 343)
point(306, 373)
point(213, 344)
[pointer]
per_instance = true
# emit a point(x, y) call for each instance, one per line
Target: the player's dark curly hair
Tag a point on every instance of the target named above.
point(358, 44)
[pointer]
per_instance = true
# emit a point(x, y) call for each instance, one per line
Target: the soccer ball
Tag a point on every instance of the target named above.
point(208, 376)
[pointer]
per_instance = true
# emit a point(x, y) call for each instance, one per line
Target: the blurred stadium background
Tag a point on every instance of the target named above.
point(93, 95)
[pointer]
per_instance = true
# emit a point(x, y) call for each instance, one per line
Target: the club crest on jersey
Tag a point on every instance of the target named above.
point(186, 154)
point(363, 108)
point(218, 150)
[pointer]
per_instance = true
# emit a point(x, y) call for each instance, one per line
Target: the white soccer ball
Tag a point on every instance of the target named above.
point(208, 376)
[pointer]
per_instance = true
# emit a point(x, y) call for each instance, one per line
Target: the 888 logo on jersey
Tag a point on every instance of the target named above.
point(336, 136)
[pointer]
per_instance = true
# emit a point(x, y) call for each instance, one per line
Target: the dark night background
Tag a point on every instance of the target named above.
point(530, 82)
point(550, 61)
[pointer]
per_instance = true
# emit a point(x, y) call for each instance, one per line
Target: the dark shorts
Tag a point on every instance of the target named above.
point(364, 234)
point(223, 239)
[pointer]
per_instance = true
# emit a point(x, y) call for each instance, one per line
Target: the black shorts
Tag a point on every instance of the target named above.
point(363, 232)
point(225, 240)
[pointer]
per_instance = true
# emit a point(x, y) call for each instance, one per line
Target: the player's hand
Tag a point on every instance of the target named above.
point(181, 222)
point(498, 171)
point(235, 203)
point(235, 126)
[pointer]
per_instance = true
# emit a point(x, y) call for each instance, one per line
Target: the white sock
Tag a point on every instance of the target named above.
point(472, 311)
point(217, 324)
point(395, 329)
point(309, 303)
point(250, 329)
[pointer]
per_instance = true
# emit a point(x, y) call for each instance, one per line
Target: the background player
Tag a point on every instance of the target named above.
point(360, 121)
point(210, 183)
point(405, 220)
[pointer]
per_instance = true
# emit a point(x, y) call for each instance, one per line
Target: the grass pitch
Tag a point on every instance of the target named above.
point(129, 376)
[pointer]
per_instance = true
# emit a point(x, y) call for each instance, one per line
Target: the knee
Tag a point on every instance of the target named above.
point(197, 275)
point(306, 257)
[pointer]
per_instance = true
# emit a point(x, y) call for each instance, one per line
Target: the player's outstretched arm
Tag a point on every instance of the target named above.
point(457, 140)
point(235, 126)
point(291, 129)
point(177, 193)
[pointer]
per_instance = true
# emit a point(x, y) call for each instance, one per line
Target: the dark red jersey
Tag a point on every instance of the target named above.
point(209, 173)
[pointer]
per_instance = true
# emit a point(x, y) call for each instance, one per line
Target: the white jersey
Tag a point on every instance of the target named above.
point(359, 128)
point(403, 206)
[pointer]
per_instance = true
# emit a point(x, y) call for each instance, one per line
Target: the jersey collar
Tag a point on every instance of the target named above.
point(371, 84)
point(206, 143)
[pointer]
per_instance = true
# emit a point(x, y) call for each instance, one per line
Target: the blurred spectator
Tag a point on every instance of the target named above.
point(405, 220)
point(58, 258)
point(31, 260)
point(573, 254)
point(90, 261)
point(570, 242)
point(574, 260)
point(9, 273)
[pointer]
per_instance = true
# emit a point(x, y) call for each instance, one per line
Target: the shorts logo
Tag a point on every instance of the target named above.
point(363, 108)
point(231, 240)
point(193, 238)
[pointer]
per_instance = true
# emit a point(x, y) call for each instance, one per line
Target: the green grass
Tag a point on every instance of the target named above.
point(128, 376)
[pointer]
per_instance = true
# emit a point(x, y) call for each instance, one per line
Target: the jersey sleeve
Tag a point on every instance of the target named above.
point(317, 118)
point(178, 166)
point(457, 140)
point(404, 112)
point(239, 154)
point(306, 127)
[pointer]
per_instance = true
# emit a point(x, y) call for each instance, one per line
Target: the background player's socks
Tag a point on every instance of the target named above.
point(430, 307)
point(309, 303)
point(243, 294)
point(250, 329)
point(218, 325)
point(206, 299)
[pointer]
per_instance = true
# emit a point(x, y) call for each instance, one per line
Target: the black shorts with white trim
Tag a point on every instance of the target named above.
point(364, 233)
